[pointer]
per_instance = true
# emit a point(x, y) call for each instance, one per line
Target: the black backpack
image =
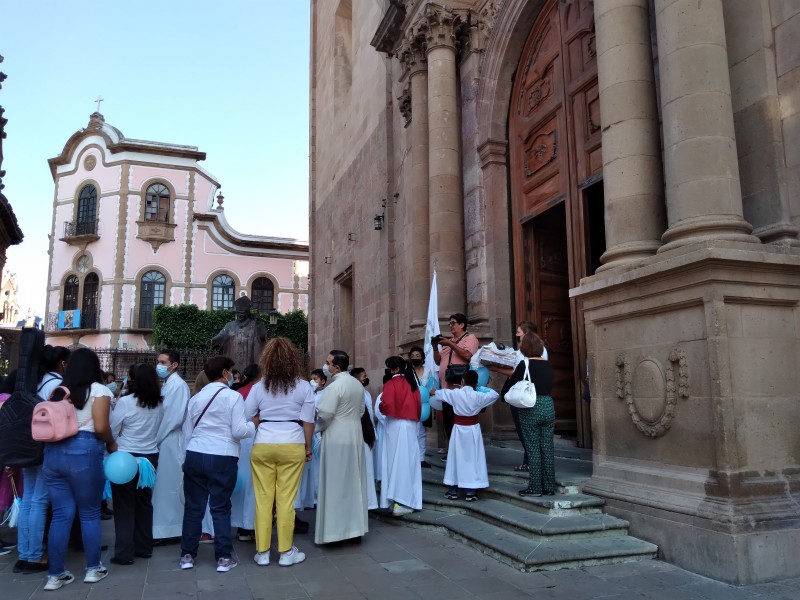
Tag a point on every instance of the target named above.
point(17, 447)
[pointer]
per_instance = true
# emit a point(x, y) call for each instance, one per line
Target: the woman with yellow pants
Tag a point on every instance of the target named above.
point(284, 403)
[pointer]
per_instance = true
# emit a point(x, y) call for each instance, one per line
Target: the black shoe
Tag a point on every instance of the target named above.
point(35, 567)
point(104, 510)
point(527, 492)
point(6, 548)
point(19, 566)
point(105, 517)
point(300, 526)
point(471, 497)
point(166, 541)
point(451, 495)
point(548, 493)
point(143, 555)
point(425, 464)
point(119, 561)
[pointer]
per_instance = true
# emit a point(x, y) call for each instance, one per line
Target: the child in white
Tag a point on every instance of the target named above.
point(466, 458)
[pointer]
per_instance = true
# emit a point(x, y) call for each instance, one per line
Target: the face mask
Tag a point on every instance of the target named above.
point(417, 362)
point(113, 387)
point(162, 371)
point(230, 380)
point(314, 385)
point(326, 370)
point(365, 383)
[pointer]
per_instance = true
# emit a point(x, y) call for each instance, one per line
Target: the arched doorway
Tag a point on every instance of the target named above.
point(555, 171)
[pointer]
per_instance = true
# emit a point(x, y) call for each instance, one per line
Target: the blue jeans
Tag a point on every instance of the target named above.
point(73, 471)
point(32, 514)
point(208, 479)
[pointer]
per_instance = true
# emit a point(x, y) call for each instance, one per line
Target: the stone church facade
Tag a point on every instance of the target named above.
point(625, 173)
point(137, 224)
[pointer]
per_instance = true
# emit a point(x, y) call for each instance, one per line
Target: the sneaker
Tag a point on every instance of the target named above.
point(291, 557)
point(6, 548)
point(245, 535)
point(54, 582)
point(226, 564)
point(399, 510)
point(451, 495)
point(471, 497)
point(95, 574)
point(262, 558)
point(187, 562)
point(206, 538)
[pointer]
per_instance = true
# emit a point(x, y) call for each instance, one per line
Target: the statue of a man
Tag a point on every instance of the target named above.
point(242, 339)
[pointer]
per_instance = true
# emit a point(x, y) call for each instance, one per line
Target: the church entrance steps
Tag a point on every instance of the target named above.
point(528, 552)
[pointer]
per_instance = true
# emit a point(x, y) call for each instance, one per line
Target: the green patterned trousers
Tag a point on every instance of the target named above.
point(537, 425)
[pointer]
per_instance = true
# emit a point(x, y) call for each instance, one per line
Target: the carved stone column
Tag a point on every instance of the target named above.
point(413, 57)
point(445, 190)
point(633, 184)
point(704, 197)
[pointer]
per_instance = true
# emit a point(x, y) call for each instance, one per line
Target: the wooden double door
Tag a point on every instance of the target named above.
point(556, 192)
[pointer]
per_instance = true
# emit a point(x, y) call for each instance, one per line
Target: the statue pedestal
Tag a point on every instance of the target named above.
point(694, 361)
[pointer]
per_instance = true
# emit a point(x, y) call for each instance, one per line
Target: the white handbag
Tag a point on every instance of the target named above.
point(523, 393)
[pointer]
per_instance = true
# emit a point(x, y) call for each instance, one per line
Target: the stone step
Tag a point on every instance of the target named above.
point(558, 505)
point(569, 477)
point(526, 552)
point(527, 522)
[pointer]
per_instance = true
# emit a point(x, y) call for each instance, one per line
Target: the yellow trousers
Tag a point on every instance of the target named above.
point(277, 469)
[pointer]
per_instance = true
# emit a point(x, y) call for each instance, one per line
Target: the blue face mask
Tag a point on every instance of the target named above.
point(162, 371)
point(113, 387)
point(230, 381)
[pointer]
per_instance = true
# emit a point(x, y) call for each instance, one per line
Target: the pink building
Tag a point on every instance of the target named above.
point(137, 224)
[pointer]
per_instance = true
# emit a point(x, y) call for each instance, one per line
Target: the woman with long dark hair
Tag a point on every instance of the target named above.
point(134, 423)
point(284, 405)
point(401, 472)
point(73, 469)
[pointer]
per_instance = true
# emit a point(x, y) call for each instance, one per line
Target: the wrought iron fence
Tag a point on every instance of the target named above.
point(76, 228)
point(118, 361)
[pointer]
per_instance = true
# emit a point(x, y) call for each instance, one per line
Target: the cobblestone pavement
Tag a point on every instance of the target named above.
point(392, 563)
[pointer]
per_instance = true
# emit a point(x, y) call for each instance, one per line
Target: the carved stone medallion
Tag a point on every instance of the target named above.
point(89, 163)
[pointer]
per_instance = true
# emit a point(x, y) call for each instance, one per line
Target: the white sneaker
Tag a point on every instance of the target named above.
point(226, 564)
point(95, 574)
point(187, 562)
point(54, 582)
point(262, 558)
point(399, 510)
point(291, 557)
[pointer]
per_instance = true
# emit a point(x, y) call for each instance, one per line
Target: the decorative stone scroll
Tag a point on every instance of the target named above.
point(404, 104)
point(653, 412)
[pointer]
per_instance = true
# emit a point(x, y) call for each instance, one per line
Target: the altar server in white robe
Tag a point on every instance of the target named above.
point(342, 502)
point(168, 490)
point(380, 433)
point(401, 473)
point(309, 482)
point(369, 455)
point(466, 457)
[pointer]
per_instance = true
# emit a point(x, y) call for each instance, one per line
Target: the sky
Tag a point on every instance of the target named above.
point(228, 77)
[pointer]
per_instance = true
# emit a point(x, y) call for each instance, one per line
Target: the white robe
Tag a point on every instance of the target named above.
point(380, 434)
point(309, 482)
point(369, 457)
point(168, 491)
point(342, 503)
point(243, 501)
point(400, 465)
point(466, 457)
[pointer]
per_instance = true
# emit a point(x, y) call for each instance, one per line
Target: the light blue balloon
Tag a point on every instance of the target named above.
point(426, 412)
point(483, 376)
point(424, 395)
point(120, 467)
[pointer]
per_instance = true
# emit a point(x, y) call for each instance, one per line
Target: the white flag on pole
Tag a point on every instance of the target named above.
point(431, 327)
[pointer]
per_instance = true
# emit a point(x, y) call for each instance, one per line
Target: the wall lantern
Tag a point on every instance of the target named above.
point(377, 221)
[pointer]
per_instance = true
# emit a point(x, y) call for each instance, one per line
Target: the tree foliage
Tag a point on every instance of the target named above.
point(187, 327)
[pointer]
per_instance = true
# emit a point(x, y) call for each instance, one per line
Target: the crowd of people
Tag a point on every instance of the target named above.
point(247, 450)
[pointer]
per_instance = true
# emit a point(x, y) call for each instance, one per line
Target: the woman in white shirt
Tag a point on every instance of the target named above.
point(73, 469)
point(213, 426)
point(283, 402)
point(134, 423)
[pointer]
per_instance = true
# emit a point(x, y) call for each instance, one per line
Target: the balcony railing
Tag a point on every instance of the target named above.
point(69, 321)
point(73, 229)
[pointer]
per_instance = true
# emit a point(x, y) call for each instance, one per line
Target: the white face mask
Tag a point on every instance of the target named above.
point(326, 370)
point(314, 385)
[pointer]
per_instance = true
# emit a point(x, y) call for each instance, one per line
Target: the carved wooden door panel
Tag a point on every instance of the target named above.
point(554, 140)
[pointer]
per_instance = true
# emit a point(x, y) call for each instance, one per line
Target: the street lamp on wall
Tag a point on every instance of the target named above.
point(378, 220)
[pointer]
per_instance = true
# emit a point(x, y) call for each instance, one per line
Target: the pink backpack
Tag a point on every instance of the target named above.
point(54, 421)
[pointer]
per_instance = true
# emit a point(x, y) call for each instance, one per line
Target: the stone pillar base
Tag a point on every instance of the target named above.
point(694, 358)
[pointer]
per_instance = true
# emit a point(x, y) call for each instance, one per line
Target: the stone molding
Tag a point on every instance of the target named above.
point(493, 152)
point(440, 26)
point(404, 104)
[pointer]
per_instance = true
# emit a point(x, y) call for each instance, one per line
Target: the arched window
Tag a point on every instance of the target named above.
point(153, 292)
point(263, 295)
point(70, 293)
point(87, 211)
point(156, 204)
point(89, 305)
point(222, 290)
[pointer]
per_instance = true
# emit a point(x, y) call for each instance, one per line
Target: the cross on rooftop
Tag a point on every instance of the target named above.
point(99, 99)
